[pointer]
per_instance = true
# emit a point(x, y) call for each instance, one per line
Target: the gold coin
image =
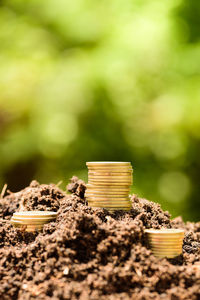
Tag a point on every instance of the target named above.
point(31, 228)
point(109, 205)
point(170, 248)
point(108, 188)
point(35, 214)
point(165, 238)
point(164, 231)
point(108, 163)
point(116, 200)
point(109, 167)
point(16, 223)
point(109, 198)
point(110, 173)
point(175, 253)
point(116, 170)
point(110, 184)
point(30, 222)
point(33, 218)
point(111, 209)
point(109, 178)
point(160, 255)
point(106, 195)
point(170, 244)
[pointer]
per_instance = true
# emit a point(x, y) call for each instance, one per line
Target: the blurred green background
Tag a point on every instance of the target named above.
point(102, 80)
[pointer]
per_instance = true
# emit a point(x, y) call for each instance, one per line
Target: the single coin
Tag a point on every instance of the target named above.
point(110, 167)
point(166, 244)
point(116, 200)
point(34, 219)
point(32, 228)
point(110, 206)
point(115, 188)
point(38, 222)
point(113, 170)
point(111, 173)
point(166, 237)
point(108, 163)
point(111, 178)
point(35, 214)
point(110, 184)
point(109, 198)
point(107, 195)
point(170, 248)
point(17, 223)
point(168, 254)
point(164, 231)
point(112, 209)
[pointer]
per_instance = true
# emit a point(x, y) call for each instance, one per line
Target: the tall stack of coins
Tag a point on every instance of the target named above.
point(32, 220)
point(109, 185)
point(165, 242)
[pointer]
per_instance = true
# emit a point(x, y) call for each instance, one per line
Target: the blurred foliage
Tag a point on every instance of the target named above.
point(102, 80)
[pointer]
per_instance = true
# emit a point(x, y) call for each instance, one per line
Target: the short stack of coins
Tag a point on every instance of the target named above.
point(32, 220)
point(109, 185)
point(165, 242)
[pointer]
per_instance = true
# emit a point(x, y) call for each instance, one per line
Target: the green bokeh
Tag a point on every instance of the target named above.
point(102, 80)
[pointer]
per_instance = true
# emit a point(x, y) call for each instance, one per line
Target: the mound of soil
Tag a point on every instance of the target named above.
point(91, 253)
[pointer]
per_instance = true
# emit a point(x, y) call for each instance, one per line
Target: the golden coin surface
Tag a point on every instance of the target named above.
point(115, 188)
point(110, 184)
point(107, 195)
point(108, 199)
point(32, 228)
point(33, 221)
point(110, 178)
point(109, 206)
point(168, 254)
point(113, 208)
point(107, 173)
point(108, 163)
point(112, 204)
point(164, 231)
point(170, 248)
point(116, 170)
point(168, 243)
point(35, 214)
point(33, 218)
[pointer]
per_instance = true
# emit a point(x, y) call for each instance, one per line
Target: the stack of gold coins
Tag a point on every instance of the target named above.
point(109, 185)
point(165, 242)
point(32, 220)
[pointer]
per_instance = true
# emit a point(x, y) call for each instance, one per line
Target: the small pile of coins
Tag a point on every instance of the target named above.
point(109, 185)
point(165, 242)
point(32, 220)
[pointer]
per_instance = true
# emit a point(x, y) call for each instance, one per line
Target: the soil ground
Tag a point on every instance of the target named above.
point(91, 253)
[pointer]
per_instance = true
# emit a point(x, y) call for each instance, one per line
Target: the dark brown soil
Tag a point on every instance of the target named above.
point(90, 253)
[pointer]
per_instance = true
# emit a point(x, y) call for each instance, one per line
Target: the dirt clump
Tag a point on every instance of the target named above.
point(91, 253)
point(33, 197)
